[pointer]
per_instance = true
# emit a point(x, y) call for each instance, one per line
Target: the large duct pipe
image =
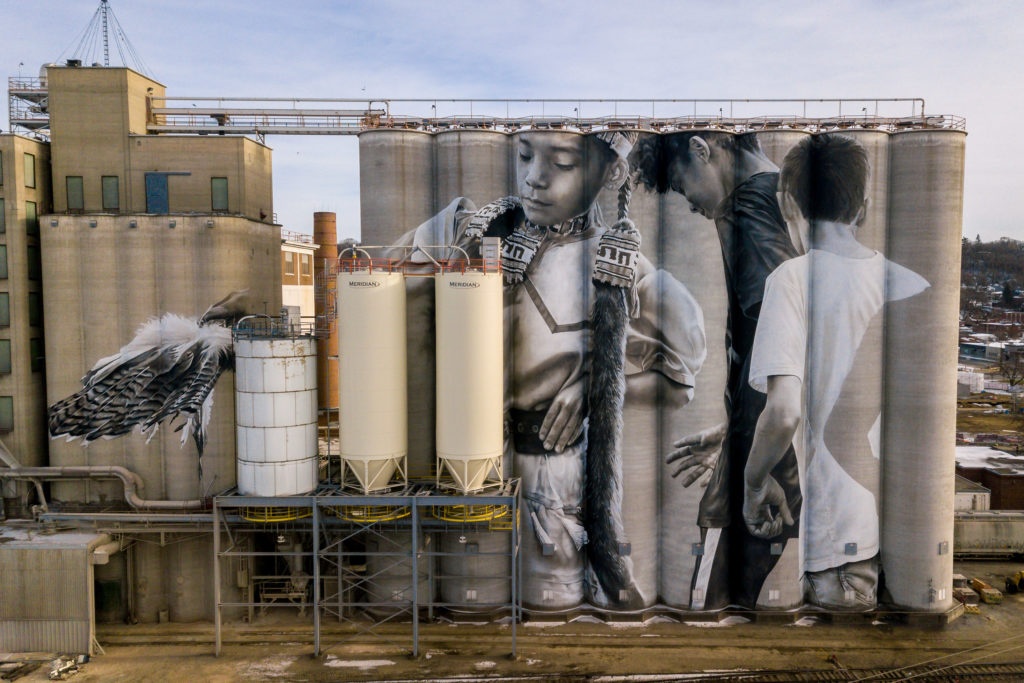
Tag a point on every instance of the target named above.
point(132, 483)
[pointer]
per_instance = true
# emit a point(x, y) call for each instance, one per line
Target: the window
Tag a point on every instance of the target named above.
point(30, 170)
point(306, 263)
point(3, 217)
point(37, 354)
point(289, 263)
point(5, 309)
point(5, 356)
point(76, 193)
point(3, 261)
point(35, 309)
point(1, 169)
point(111, 193)
point(219, 193)
point(31, 219)
point(6, 413)
point(35, 263)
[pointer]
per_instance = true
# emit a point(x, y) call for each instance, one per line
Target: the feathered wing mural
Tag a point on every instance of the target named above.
point(167, 371)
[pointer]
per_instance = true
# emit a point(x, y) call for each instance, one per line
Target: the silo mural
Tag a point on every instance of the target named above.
point(699, 379)
point(724, 357)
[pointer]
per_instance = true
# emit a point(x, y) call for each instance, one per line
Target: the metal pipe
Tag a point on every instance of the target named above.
point(7, 457)
point(39, 492)
point(131, 481)
point(127, 518)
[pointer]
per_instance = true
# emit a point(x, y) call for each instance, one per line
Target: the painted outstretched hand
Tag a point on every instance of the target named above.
point(564, 419)
point(757, 509)
point(696, 455)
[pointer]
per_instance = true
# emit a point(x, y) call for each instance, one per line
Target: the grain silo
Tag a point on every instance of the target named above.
point(396, 172)
point(275, 404)
point(470, 375)
point(372, 362)
point(925, 214)
point(397, 179)
point(475, 164)
point(689, 250)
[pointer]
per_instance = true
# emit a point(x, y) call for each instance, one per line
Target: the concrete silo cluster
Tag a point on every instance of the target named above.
point(529, 414)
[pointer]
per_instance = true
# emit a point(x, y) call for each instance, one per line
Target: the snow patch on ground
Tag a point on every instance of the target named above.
point(271, 667)
point(361, 664)
point(728, 621)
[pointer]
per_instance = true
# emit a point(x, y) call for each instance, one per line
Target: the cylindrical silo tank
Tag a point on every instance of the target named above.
point(470, 376)
point(474, 570)
point(925, 222)
point(475, 164)
point(783, 586)
point(844, 387)
point(776, 144)
point(689, 250)
point(372, 377)
point(275, 404)
point(389, 584)
point(642, 448)
point(325, 234)
point(396, 180)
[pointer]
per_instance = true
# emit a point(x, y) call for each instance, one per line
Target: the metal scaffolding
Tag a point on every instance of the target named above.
point(371, 559)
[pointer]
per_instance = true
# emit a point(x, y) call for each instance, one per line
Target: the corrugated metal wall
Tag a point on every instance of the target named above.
point(46, 599)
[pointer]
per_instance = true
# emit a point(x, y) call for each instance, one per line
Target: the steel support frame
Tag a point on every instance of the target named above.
point(420, 499)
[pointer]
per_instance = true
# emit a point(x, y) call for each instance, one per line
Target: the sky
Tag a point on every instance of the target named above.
point(962, 58)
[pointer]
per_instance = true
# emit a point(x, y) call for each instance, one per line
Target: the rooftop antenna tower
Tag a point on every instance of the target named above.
point(28, 97)
point(104, 29)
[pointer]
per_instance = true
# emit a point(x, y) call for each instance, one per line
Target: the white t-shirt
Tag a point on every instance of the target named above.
point(816, 310)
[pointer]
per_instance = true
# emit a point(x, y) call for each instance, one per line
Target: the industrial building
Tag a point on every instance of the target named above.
point(356, 464)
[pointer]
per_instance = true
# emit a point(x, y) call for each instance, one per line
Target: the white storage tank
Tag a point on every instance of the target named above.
point(276, 413)
point(372, 362)
point(470, 376)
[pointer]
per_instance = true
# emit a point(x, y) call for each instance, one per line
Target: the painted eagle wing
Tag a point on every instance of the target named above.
point(168, 370)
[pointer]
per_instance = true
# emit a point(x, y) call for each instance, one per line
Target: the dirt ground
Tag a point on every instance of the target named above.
point(980, 415)
point(280, 648)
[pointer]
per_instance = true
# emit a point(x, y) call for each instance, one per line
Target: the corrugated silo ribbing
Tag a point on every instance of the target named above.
point(325, 234)
point(925, 216)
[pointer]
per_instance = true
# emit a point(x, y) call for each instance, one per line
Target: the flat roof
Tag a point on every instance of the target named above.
point(988, 458)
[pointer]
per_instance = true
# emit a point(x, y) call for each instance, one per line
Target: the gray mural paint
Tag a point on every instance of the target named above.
point(666, 445)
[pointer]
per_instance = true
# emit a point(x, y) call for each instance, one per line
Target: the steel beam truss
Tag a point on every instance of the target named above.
point(373, 558)
point(320, 116)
